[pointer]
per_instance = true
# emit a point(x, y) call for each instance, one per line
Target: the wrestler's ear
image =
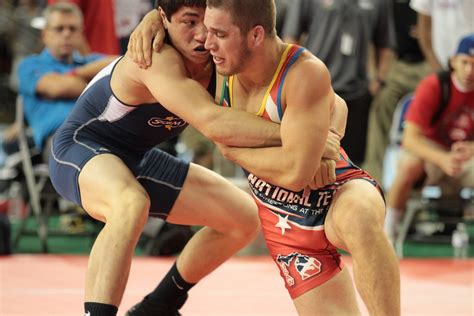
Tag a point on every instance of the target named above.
point(256, 36)
point(164, 18)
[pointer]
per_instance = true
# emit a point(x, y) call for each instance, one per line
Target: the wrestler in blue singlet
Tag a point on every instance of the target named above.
point(100, 123)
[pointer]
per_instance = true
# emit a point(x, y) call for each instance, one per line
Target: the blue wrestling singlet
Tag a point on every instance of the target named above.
point(100, 123)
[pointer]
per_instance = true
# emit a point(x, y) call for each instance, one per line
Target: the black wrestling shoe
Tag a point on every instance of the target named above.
point(148, 307)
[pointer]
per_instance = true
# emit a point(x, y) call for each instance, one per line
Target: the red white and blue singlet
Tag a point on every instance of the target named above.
point(293, 225)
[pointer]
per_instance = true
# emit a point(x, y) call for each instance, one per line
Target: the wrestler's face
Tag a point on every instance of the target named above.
point(227, 45)
point(62, 34)
point(463, 66)
point(187, 33)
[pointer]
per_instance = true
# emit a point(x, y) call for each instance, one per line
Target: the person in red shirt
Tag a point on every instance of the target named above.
point(441, 148)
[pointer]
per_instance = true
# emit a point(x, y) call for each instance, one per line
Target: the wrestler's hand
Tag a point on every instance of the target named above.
point(326, 174)
point(331, 149)
point(150, 32)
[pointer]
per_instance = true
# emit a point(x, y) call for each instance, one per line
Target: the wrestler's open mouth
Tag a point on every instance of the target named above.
point(201, 49)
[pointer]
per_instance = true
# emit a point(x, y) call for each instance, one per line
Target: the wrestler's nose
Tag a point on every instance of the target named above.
point(201, 34)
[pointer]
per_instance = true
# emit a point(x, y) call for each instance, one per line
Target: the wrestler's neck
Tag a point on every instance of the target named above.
point(199, 71)
point(261, 67)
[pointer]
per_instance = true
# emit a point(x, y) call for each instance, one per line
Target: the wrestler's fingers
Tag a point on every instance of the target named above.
point(131, 48)
point(306, 191)
point(158, 41)
point(143, 47)
point(332, 172)
point(145, 51)
point(315, 183)
point(312, 183)
point(137, 52)
point(329, 173)
point(320, 176)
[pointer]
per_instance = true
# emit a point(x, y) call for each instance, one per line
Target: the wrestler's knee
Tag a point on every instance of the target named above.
point(134, 207)
point(240, 222)
point(357, 217)
point(128, 211)
point(247, 227)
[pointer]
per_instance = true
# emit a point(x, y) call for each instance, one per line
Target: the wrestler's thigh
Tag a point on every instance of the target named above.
point(357, 209)
point(335, 297)
point(208, 199)
point(105, 182)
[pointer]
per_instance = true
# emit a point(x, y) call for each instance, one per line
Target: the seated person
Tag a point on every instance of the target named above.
point(50, 82)
point(440, 147)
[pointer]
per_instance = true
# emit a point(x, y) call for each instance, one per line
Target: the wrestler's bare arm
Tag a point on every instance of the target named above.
point(304, 129)
point(337, 129)
point(167, 82)
point(149, 32)
point(339, 117)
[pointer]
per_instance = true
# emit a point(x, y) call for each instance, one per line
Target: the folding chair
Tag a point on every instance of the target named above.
point(395, 139)
point(36, 178)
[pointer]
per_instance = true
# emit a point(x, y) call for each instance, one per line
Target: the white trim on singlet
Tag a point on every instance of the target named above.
point(272, 110)
point(158, 213)
point(107, 70)
point(74, 137)
point(313, 228)
point(159, 182)
point(115, 110)
point(273, 209)
point(64, 162)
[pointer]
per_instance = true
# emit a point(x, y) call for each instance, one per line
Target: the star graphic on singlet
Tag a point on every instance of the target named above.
point(282, 223)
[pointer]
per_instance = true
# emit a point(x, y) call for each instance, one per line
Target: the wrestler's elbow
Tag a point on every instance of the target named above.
point(207, 123)
point(217, 130)
point(293, 183)
point(298, 177)
point(212, 132)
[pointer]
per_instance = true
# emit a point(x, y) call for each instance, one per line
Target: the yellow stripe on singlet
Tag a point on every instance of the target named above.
point(267, 93)
point(275, 76)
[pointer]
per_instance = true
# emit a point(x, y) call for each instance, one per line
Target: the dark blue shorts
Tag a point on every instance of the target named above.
point(161, 174)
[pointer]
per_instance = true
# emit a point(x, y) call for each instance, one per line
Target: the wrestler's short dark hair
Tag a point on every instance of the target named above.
point(171, 6)
point(247, 14)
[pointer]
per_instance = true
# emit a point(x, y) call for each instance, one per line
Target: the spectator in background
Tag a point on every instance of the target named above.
point(6, 12)
point(443, 148)
point(99, 25)
point(128, 14)
point(406, 72)
point(50, 82)
point(281, 6)
point(27, 38)
point(6, 95)
point(340, 32)
point(441, 24)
